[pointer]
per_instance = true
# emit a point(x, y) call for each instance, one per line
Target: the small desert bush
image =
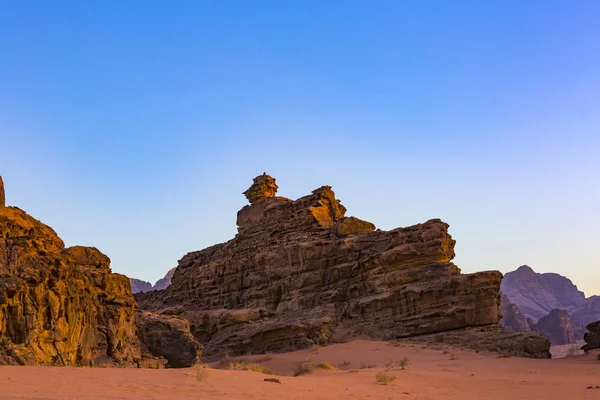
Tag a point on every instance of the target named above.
point(268, 357)
point(454, 356)
point(345, 363)
point(202, 372)
point(445, 352)
point(384, 379)
point(304, 368)
point(598, 356)
point(326, 365)
point(439, 338)
point(403, 362)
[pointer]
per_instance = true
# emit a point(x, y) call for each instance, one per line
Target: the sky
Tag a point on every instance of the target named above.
point(135, 126)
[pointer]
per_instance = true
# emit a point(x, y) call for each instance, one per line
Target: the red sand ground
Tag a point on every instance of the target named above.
point(430, 375)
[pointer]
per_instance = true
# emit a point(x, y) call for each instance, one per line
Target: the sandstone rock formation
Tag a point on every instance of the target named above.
point(138, 285)
point(512, 318)
point(300, 273)
point(63, 306)
point(592, 338)
point(557, 327)
point(585, 314)
point(168, 337)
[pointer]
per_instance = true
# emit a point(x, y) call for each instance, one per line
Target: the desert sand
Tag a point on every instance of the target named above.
point(430, 374)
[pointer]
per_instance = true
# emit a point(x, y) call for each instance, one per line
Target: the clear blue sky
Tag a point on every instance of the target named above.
point(134, 126)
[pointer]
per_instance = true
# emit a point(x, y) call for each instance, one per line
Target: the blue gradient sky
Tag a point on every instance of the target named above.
point(135, 126)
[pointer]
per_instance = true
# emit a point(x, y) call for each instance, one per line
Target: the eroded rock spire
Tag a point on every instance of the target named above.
point(264, 186)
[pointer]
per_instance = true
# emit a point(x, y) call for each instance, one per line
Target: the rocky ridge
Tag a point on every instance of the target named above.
point(300, 273)
point(137, 285)
point(534, 296)
point(64, 306)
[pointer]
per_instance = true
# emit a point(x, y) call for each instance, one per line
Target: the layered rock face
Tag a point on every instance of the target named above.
point(512, 318)
point(557, 327)
point(63, 306)
point(592, 338)
point(300, 273)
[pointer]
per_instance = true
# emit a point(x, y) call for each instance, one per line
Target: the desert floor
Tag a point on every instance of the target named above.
point(430, 374)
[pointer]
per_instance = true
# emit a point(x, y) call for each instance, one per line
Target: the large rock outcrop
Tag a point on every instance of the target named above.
point(63, 306)
point(512, 318)
point(300, 273)
point(169, 337)
point(557, 327)
point(592, 338)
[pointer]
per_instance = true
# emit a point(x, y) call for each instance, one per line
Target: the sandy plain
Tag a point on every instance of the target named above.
point(430, 374)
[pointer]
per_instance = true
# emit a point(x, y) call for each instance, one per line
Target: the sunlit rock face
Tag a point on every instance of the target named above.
point(64, 306)
point(299, 273)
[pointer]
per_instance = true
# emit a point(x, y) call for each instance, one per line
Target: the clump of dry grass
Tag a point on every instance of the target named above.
point(403, 362)
point(326, 365)
point(202, 372)
point(304, 368)
point(384, 379)
point(345, 363)
point(268, 356)
point(454, 356)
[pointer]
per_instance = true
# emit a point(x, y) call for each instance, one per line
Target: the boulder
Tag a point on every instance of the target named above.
point(300, 273)
point(592, 338)
point(169, 337)
point(557, 327)
point(512, 318)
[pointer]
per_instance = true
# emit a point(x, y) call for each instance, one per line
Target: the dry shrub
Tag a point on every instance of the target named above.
point(244, 366)
point(384, 379)
point(304, 368)
point(326, 365)
point(454, 356)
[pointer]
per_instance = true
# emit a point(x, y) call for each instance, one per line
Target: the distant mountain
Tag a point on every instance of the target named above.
point(546, 303)
point(138, 286)
point(537, 295)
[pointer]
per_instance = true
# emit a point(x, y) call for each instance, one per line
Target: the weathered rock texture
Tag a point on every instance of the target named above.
point(592, 338)
point(60, 306)
point(537, 295)
point(512, 318)
point(299, 272)
point(63, 306)
point(169, 337)
point(557, 327)
point(138, 285)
